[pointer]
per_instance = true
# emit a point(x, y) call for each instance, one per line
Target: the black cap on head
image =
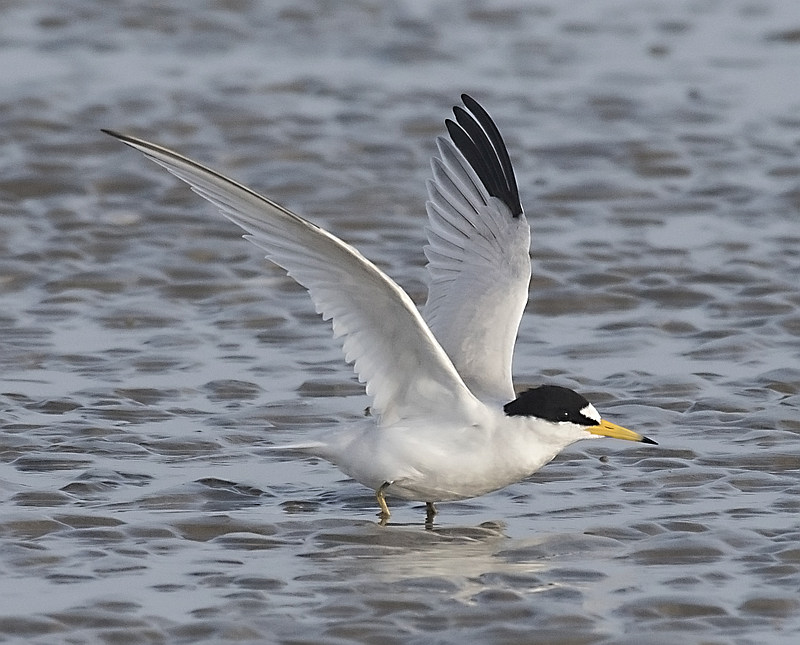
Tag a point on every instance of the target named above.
point(552, 403)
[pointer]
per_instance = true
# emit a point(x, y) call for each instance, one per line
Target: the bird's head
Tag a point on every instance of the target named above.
point(561, 405)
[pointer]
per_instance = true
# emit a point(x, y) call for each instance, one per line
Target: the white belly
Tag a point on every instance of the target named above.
point(434, 464)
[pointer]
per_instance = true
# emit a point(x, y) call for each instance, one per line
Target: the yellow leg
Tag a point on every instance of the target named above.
point(385, 514)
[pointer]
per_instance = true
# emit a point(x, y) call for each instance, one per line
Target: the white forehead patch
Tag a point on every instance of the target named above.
point(591, 413)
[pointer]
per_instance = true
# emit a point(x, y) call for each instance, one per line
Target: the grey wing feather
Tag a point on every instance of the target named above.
point(478, 254)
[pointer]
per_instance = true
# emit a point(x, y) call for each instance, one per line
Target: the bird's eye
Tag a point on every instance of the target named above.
point(565, 415)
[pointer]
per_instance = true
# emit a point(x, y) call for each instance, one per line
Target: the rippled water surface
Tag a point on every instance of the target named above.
point(150, 358)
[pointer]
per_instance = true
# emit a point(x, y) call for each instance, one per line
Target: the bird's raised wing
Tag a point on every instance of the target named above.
point(392, 350)
point(478, 253)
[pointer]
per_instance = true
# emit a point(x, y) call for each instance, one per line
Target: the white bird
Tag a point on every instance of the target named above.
point(447, 424)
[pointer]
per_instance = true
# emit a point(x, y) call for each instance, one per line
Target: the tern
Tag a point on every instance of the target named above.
point(446, 421)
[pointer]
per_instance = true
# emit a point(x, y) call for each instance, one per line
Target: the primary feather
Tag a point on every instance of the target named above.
point(478, 254)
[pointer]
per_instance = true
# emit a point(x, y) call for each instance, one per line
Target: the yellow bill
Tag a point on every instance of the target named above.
point(608, 429)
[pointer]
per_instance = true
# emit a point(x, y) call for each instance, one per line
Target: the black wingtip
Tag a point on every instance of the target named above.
point(117, 135)
point(477, 137)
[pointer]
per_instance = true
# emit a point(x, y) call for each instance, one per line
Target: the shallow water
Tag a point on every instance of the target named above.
point(149, 357)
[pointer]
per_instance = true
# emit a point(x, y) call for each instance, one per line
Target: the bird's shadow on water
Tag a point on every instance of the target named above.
point(483, 530)
point(454, 556)
point(454, 559)
point(340, 532)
